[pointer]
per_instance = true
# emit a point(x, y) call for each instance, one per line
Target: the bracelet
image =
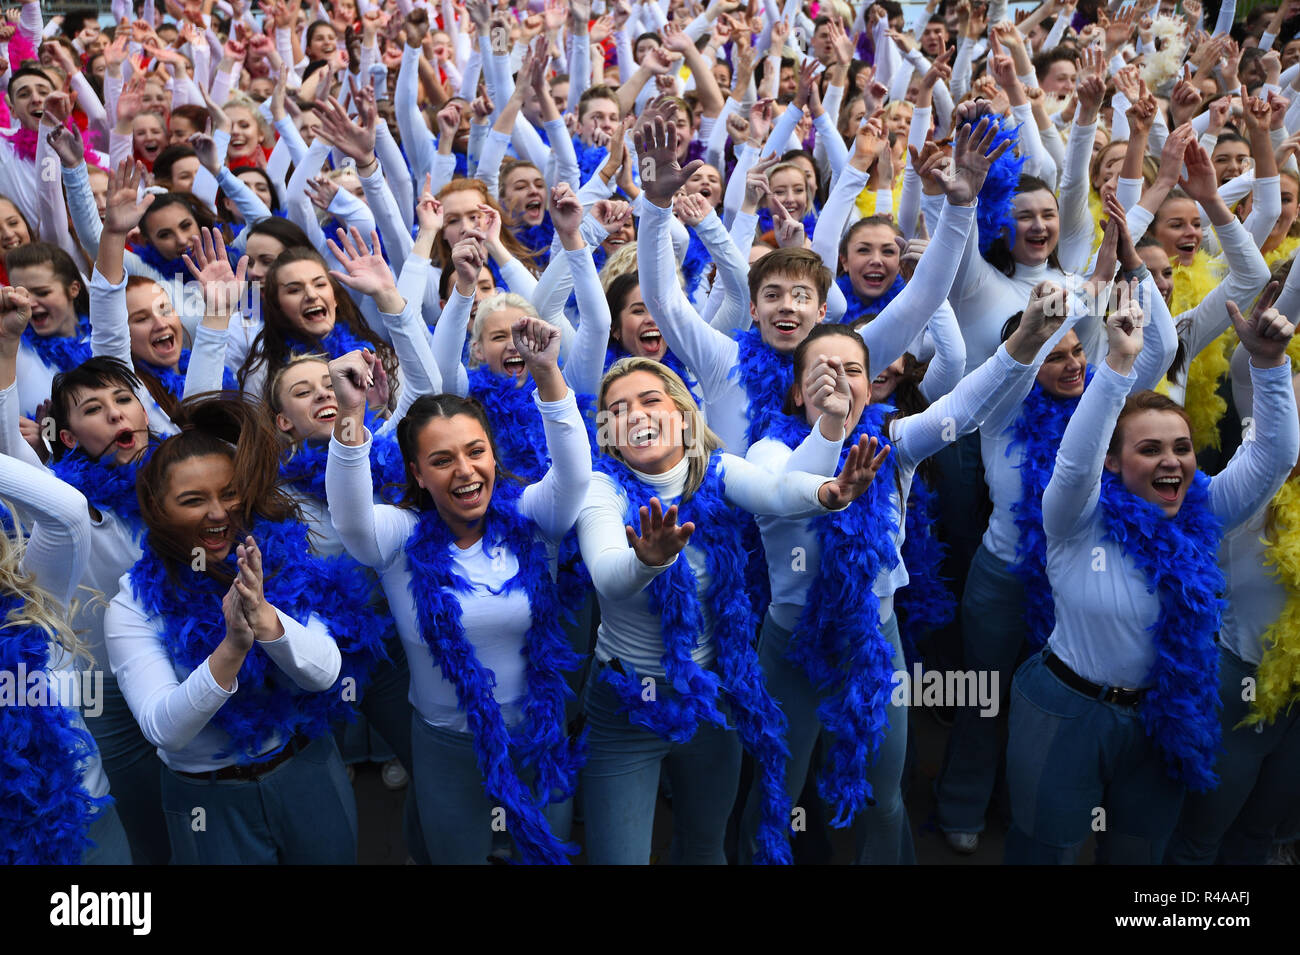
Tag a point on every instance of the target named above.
point(370, 169)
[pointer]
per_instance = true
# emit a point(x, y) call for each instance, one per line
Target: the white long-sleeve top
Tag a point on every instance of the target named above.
point(56, 555)
point(913, 439)
point(495, 623)
point(1003, 457)
point(629, 630)
point(1103, 618)
point(175, 706)
point(711, 355)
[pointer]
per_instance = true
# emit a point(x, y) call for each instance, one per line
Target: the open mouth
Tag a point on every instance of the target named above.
point(328, 413)
point(1188, 246)
point(786, 326)
point(1167, 488)
point(469, 494)
point(513, 365)
point(124, 439)
point(874, 277)
point(533, 207)
point(1036, 242)
point(164, 342)
point(643, 436)
point(707, 192)
point(651, 341)
point(792, 208)
point(215, 537)
point(315, 313)
point(40, 319)
point(1069, 381)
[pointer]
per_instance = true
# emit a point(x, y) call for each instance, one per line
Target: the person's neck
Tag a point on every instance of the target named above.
point(65, 329)
point(663, 467)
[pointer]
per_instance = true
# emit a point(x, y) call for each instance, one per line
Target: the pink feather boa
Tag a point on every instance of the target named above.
point(25, 141)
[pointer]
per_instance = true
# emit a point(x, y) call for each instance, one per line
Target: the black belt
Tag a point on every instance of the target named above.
point(247, 772)
point(1107, 694)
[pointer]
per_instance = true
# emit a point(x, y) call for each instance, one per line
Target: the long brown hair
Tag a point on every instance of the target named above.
point(423, 410)
point(271, 345)
point(234, 428)
point(442, 249)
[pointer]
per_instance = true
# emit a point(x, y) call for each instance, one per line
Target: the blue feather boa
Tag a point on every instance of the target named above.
point(45, 813)
point(303, 466)
point(837, 641)
point(1178, 557)
point(860, 308)
point(926, 603)
point(61, 352)
point(540, 740)
point(298, 583)
point(765, 223)
point(1037, 432)
point(516, 423)
point(766, 376)
point(167, 268)
point(995, 213)
point(696, 261)
point(107, 485)
point(338, 342)
point(537, 239)
point(590, 158)
point(674, 596)
point(173, 379)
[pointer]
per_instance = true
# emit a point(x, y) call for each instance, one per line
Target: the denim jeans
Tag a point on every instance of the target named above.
point(1259, 783)
point(620, 784)
point(300, 813)
point(963, 505)
point(134, 771)
point(882, 835)
point(1077, 765)
point(109, 845)
point(456, 812)
point(994, 636)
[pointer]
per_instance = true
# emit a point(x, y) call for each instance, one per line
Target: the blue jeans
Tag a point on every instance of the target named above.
point(621, 782)
point(109, 845)
point(994, 638)
point(1076, 765)
point(133, 768)
point(882, 835)
point(300, 813)
point(963, 505)
point(456, 812)
point(1259, 783)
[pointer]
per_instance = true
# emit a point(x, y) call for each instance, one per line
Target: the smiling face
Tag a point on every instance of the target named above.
point(262, 251)
point(154, 326)
point(183, 172)
point(324, 41)
point(599, 114)
point(245, 135)
point(1156, 460)
point(523, 195)
point(170, 229)
point(200, 503)
point(1108, 170)
point(13, 228)
point(1062, 372)
point(886, 383)
point(99, 188)
point(636, 331)
point(1178, 230)
point(620, 237)
point(1038, 227)
point(149, 136)
point(1162, 270)
point(305, 395)
point(850, 350)
point(27, 100)
point(1290, 209)
point(180, 130)
point(455, 464)
point(645, 425)
point(1231, 159)
point(871, 260)
point(785, 310)
point(460, 212)
point(306, 298)
point(1060, 78)
point(495, 346)
point(54, 309)
point(790, 189)
point(106, 420)
point(707, 182)
point(308, 124)
point(154, 98)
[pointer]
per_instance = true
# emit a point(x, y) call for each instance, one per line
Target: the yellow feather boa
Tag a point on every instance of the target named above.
point(1098, 214)
point(1204, 406)
point(1283, 252)
point(1277, 679)
point(866, 201)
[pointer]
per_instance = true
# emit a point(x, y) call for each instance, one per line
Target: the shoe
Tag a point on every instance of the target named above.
point(394, 775)
point(963, 843)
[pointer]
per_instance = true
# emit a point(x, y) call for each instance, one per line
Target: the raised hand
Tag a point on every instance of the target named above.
point(67, 145)
point(612, 214)
point(655, 138)
point(352, 376)
point(827, 387)
point(239, 634)
point(209, 263)
point(364, 269)
point(15, 313)
point(1124, 336)
point(974, 153)
point(468, 257)
point(125, 206)
point(205, 148)
point(661, 538)
point(354, 140)
point(1266, 333)
point(789, 230)
point(1201, 181)
point(566, 212)
point(855, 477)
point(248, 582)
point(428, 211)
point(538, 344)
point(321, 191)
point(1044, 313)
